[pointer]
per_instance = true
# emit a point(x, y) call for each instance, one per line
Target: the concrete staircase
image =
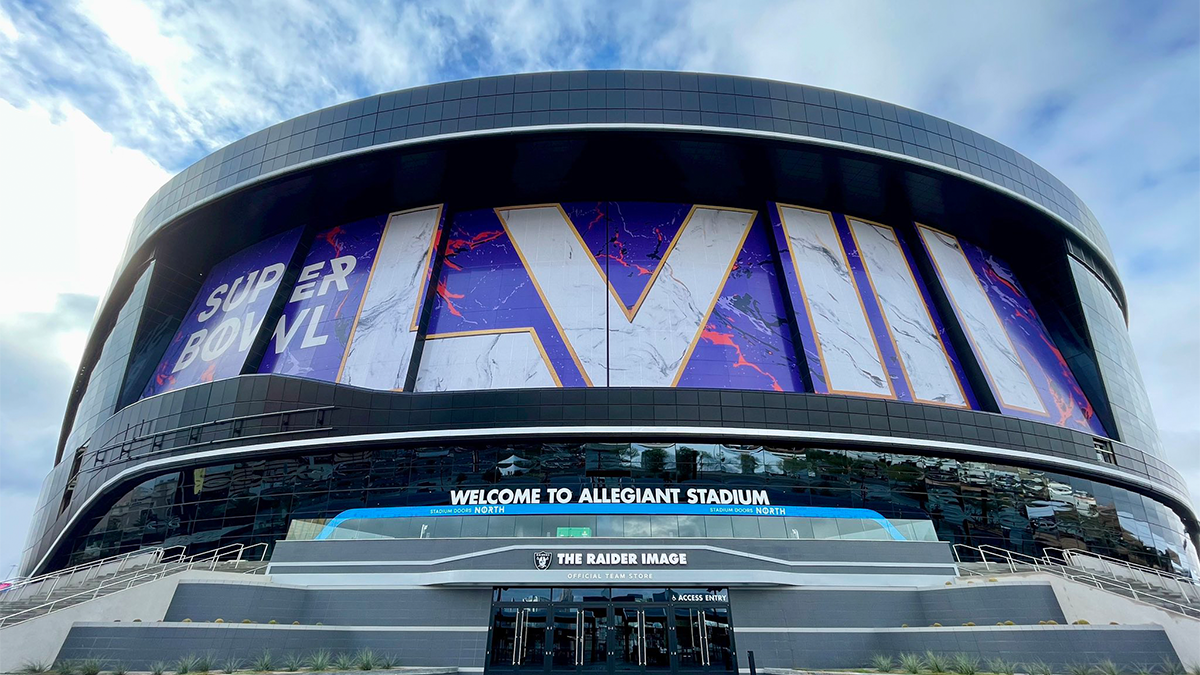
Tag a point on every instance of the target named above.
point(40, 596)
point(1173, 593)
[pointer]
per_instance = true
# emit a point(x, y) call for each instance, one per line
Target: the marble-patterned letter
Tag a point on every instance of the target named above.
point(924, 358)
point(852, 362)
point(486, 361)
point(1003, 366)
point(381, 345)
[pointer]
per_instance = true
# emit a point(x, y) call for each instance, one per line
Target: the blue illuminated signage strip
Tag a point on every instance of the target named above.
point(609, 510)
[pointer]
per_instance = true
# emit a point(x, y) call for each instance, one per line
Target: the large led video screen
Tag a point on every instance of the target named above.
point(1025, 370)
point(352, 315)
point(866, 322)
point(220, 326)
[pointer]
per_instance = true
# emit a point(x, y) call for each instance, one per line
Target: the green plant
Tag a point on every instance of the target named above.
point(1194, 669)
point(158, 668)
point(119, 669)
point(35, 667)
point(1081, 622)
point(388, 661)
point(218, 620)
point(231, 665)
point(1051, 622)
point(186, 664)
point(1002, 667)
point(1107, 667)
point(204, 663)
point(1040, 668)
point(293, 662)
point(272, 621)
point(343, 662)
point(1142, 669)
point(263, 662)
point(911, 663)
point(964, 664)
point(969, 623)
point(1009, 623)
point(90, 667)
point(1171, 667)
point(365, 659)
point(319, 660)
point(247, 621)
point(64, 668)
point(187, 620)
point(883, 663)
point(1080, 669)
point(936, 662)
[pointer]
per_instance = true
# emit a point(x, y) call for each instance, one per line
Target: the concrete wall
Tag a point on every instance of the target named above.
point(139, 645)
point(234, 602)
point(1061, 646)
point(1099, 607)
point(892, 608)
point(39, 639)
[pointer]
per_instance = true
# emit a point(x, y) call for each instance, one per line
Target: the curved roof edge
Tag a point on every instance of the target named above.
point(577, 99)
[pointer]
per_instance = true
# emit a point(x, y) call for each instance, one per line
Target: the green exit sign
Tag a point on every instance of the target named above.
point(574, 531)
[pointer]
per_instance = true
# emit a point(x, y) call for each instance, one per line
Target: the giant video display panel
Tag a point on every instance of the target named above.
point(1026, 371)
point(867, 325)
point(225, 317)
point(352, 316)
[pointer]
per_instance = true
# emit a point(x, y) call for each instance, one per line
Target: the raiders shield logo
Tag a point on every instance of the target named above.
point(541, 560)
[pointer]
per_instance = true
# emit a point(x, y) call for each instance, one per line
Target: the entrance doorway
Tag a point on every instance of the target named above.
point(611, 631)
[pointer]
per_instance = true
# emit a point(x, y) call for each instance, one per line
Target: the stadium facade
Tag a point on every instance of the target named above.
point(607, 344)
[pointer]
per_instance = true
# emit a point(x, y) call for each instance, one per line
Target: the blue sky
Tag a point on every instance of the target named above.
point(102, 100)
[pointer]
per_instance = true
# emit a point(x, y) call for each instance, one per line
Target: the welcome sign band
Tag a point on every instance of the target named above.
point(627, 495)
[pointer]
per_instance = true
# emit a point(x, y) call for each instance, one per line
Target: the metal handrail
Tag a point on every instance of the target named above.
point(138, 577)
point(1186, 585)
point(158, 554)
point(1100, 581)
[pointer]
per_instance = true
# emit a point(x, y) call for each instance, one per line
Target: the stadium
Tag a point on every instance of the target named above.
point(608, 367)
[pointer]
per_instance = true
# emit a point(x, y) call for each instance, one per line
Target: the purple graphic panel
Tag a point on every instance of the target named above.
point(485, 288)
point(808, 340)
point(746, 343)
point(225, 317)
point(311, 336)
point(938, 324)
point(630, 244)
point(870, 303)
point(1048, 370)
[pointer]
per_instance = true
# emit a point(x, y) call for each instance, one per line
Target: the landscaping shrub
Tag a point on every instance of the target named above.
point(388, 661)
point(936, 662)
point(119, 669)
point(63, 668)
point(1171, 667)
point(293, 662)
point(964, 664)
point(1142, 669)
point(186, 664)
point(319, 660)
point(1040, 668)
point(263, 662)
point(35, 667)
point(1080, 669)
point(158, 668)
point(232, 665)
point(1002, 667)
point(204, 663)
point(343, 662)
point(883, 663)
point(911, 663)
point(1107, 667)
point(365, 659)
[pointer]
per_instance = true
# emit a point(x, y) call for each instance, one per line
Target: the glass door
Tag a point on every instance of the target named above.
point(579, 639)
point(704, 639)
point(518, 639)
point(640, 641)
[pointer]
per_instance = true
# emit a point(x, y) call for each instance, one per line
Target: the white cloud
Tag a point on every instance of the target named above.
point(69, 194)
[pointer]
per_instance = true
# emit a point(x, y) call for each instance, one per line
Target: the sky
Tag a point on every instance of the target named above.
point(101, 101)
